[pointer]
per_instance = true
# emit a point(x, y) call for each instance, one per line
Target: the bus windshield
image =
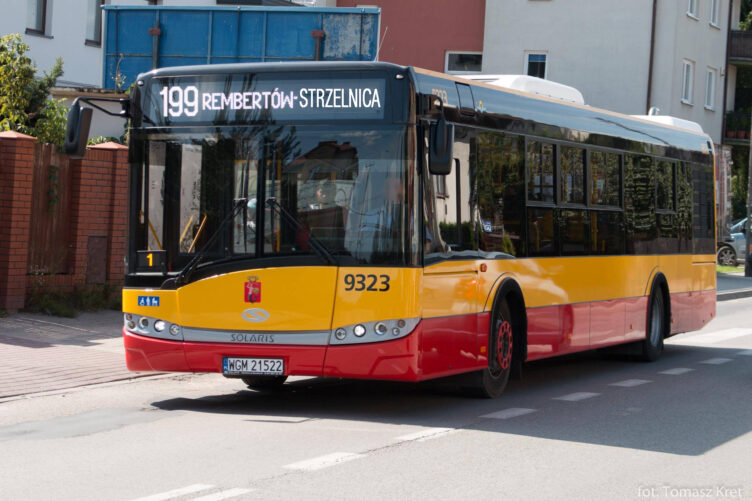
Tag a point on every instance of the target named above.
point(352, 192)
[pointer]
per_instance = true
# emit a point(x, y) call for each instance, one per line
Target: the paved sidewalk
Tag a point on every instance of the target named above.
point(40, 353)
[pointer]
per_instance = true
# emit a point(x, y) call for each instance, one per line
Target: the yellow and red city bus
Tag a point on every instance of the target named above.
point(367, 220)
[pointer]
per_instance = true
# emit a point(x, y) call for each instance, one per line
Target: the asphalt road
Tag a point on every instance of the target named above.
point(584, 427)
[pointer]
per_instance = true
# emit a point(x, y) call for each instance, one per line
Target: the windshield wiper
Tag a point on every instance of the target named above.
point(317, 246)
point(185, 275)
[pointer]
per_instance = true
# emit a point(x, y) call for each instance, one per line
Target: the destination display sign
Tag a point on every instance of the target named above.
point(244, 99)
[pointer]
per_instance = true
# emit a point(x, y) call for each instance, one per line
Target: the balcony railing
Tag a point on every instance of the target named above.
point(737, 127)
point(740, 50)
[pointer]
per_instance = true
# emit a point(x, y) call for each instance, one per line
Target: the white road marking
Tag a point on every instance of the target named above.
point(629, 383)
point(716, 361)
point(714, 337)
point(162, 496)
point(677, 372)
point(323, 461)
point(576, 397)
point(421, 436)
point(747, 353)
point(217, 496)
point(512, 412)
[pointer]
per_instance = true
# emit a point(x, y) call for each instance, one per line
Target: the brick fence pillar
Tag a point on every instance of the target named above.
point(99, 213)
point(16, 177)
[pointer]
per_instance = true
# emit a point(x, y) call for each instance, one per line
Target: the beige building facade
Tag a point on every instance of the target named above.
point(623, 56)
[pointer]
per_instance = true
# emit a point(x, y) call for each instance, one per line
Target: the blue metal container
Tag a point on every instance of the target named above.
point(138, 39)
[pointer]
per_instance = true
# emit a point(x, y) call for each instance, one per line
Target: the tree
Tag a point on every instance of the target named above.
point(16, 74)
point(746, 15)
point(24, 102)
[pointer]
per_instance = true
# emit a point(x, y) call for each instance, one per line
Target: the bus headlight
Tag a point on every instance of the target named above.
point(373, 332)
point(159, 325)
point(175, 330)
point(143, 322)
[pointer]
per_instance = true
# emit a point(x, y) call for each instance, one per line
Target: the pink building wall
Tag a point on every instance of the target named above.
point(420, 32)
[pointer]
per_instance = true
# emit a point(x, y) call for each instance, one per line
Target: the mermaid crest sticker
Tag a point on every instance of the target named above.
point(252, 293)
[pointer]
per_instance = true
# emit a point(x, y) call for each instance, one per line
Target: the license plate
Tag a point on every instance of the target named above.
point(267, 366)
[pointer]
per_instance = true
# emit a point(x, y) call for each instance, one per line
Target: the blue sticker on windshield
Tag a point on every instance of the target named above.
point(148, 300)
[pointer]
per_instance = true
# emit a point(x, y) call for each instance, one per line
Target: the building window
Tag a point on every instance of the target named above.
point(710, 89)
point(535, 64)
point(36, 16)
point(714, 12)
point(463, 62)
point(692, 8)
point(441, 188)
point(688, 72)
point(94, 22)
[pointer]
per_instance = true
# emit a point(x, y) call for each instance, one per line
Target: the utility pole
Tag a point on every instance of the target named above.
point(748, 223)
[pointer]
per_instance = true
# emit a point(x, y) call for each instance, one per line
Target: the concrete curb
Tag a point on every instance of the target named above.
point(737, 294)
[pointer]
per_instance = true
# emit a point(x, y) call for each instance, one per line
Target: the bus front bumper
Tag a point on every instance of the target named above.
point(393, 360)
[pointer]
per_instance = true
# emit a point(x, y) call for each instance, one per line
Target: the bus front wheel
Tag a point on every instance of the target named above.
point(264, 383)
point(491, 381)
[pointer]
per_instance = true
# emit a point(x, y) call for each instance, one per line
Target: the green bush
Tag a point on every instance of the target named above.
point(50, 302)
point(68, 303)
point(24, 103)
point(102, 139)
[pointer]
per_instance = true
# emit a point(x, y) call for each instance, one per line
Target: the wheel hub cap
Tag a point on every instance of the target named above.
point(504, 345)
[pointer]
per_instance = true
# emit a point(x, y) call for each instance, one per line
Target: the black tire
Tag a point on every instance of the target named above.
point(726, 256)
point(655, 332)
point(264, 383)
point(491, 381)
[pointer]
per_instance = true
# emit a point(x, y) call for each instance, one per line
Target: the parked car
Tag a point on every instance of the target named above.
point(733, 251)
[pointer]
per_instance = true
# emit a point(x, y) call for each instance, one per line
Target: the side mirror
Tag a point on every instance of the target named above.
point(440, 144)
point(77, 130)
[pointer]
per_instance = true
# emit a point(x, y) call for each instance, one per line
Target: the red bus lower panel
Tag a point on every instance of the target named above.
point(438, 346)
point(144, 354)
point(149, 354)
point(396, 360)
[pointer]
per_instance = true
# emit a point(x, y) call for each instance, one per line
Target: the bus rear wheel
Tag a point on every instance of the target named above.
point(652, 345)
point(491, 381)
point(264, 383)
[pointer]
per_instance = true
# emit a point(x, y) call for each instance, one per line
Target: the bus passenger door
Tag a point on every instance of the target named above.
point(450, 279)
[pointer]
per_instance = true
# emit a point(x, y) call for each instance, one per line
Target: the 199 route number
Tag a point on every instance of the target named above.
point(376, 283)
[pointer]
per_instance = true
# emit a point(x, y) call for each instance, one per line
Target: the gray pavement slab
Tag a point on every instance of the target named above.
point(39, 353)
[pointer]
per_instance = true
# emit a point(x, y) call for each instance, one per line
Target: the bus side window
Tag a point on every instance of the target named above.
point(639, 203)
point(702, 181)
point(684, 206)
point(573, 221)
point(499, 167)
point(454, 207)
point(606, 212)
point(540, 166)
